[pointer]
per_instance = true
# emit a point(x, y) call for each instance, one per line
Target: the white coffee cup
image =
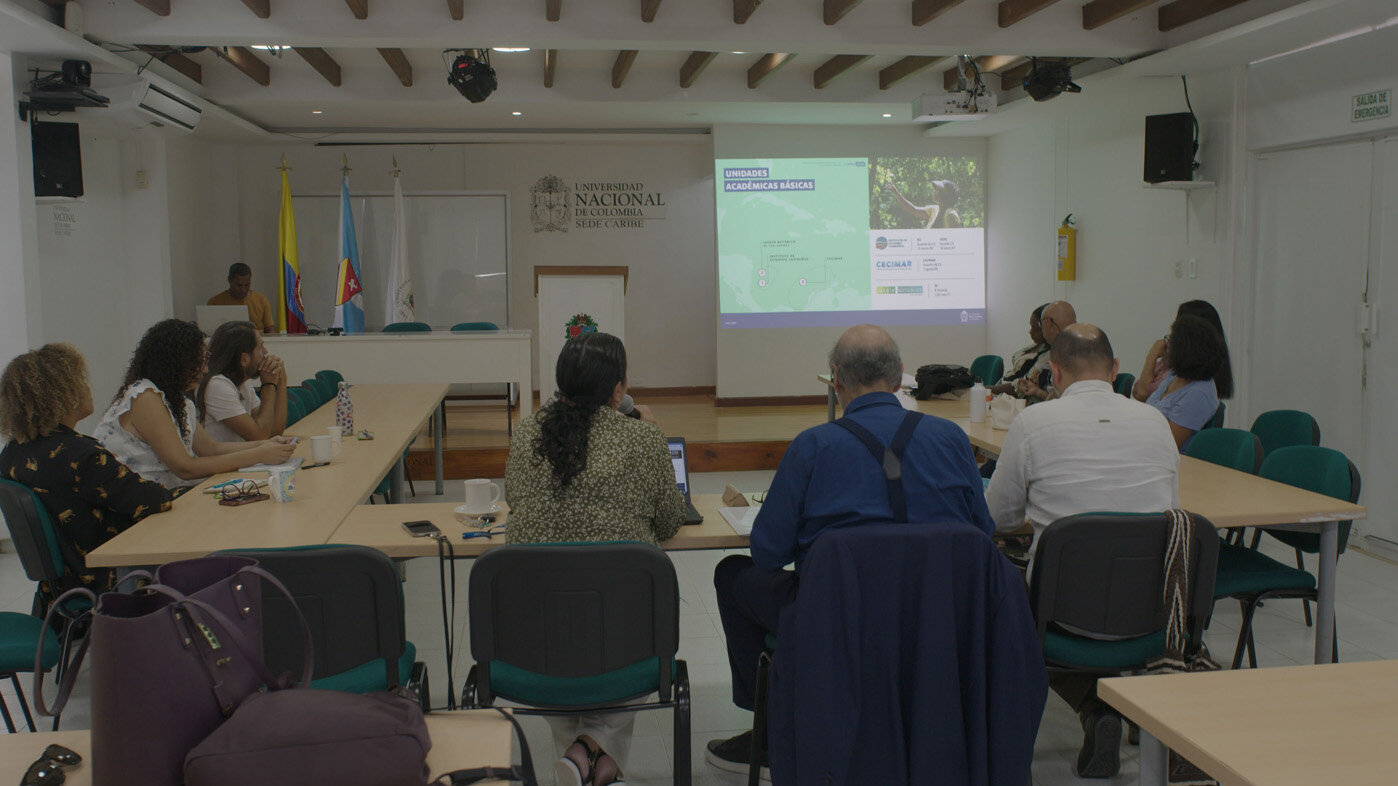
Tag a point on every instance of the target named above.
point(334, 433)
point(323, 448)
point(281, 484)
point(481, 496)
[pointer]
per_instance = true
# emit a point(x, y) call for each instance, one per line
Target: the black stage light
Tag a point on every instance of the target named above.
point(77, 72)
point(472, 77)
point(1046, 80)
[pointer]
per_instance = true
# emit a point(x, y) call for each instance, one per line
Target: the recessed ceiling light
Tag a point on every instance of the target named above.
point(517, 114)
point(509, 49)
point(740, 53)
point(268, 47)
point(317, 111)
point(888, 114)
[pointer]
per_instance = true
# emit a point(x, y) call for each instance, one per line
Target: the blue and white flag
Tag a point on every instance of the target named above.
point(349, 294)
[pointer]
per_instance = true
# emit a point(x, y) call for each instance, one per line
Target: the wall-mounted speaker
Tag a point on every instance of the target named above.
point(1169, 147)
point(58, 159)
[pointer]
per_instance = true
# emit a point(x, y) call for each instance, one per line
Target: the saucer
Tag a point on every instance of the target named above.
point(462, 514)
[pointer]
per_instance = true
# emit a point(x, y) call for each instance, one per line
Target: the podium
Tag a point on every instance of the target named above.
point(574, 300)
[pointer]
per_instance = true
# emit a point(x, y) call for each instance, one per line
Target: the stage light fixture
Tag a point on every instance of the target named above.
point(1047, 80)
point(472, 75)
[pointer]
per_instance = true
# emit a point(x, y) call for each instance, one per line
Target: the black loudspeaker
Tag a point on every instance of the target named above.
point(58, 159)
point(1169, 147)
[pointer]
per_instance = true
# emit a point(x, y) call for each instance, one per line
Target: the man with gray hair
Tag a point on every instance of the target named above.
point(829, 477)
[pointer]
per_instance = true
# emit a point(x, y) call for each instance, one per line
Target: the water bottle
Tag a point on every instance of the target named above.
point(980, 402)
point(344, 409)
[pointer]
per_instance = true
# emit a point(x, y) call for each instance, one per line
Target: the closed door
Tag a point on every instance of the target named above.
point(1381, 393)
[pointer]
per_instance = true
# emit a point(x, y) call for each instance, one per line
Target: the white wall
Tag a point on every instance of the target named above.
point(1088, 162)
point(769, 362)
point(16, 216)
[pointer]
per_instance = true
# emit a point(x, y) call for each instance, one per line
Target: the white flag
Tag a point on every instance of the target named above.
point(398, 307)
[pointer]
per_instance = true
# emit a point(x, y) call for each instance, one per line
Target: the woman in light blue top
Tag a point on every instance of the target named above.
point(1186, 395)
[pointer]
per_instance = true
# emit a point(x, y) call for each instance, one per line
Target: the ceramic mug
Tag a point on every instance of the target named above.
point(323, 448)
point(281, 484)
point(481, 496)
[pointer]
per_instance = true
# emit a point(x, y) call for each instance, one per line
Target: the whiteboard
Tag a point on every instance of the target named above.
point(458, 254)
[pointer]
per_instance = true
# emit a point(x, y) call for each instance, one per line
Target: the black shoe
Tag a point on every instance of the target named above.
point(1100, 756)
point(734, 755)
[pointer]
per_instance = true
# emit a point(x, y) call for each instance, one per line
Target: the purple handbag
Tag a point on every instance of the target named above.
point(171, 661)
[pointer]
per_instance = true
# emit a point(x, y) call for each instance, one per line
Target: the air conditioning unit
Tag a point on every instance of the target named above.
point(167, 109)
point(138, 104)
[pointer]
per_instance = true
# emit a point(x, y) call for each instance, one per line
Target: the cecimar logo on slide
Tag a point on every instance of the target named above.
point(880, 242)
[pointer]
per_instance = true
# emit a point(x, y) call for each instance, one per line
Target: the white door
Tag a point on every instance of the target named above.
point(1381, 395)
point(1311, 222)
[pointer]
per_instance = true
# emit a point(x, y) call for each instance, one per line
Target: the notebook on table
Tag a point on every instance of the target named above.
point(680, 459)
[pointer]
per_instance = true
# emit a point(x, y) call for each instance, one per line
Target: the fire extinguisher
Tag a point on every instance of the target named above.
point(1068, 250)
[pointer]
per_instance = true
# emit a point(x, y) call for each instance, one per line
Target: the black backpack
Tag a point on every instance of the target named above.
point(935, 379)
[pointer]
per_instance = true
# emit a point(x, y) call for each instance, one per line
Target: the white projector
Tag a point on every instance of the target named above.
point(958, 105)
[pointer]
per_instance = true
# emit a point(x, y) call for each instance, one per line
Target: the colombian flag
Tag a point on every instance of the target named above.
point(291, 317)
point(349, 295)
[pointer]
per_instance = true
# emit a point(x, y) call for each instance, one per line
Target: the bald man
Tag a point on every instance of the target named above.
point(1089, 450)
point(829, 478)
point(1037, 385)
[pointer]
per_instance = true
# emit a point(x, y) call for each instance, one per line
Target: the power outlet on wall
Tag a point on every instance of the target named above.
point(1193, 267)
point(1179, 268)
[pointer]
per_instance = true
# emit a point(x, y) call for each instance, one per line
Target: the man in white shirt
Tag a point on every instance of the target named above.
point(1088, 450)
point(227, 400)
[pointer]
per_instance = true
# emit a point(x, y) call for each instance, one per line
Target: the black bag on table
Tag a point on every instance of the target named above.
point(936, 379)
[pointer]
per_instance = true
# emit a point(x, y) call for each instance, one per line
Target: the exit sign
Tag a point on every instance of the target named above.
point(1371, 106)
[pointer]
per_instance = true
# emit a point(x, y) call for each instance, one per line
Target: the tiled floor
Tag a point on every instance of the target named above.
point(1367, 617)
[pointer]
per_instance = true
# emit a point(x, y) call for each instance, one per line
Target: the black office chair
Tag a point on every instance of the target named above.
point(588, 627)
point(352, 599)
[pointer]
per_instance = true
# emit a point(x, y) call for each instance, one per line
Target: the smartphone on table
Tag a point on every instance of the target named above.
point(421, 529)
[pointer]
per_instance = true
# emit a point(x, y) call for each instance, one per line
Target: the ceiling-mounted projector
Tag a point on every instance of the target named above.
point(1047, 80)
point(956, 105)
point(472, 75)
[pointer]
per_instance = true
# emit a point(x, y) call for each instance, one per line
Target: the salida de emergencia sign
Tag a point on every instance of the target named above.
point(1371, 106)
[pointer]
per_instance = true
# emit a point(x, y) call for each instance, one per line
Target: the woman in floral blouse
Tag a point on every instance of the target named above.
point(578, 470)
point(89, 495)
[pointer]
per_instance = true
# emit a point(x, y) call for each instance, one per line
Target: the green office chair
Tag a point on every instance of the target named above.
point(1228, 447)
point(332, 376)
point(407, 327)
point(1251, 576)
point(1280, 428)
point(352, 599)
point(308, 399)
point(989, 368)
point(585, 627)
point(20, 635)
point(294, 411)
point(1123, 383)
point(460, 327)
point(323, 389)
point(1217, 420)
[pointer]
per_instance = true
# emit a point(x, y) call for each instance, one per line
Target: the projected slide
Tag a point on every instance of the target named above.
point(804, 242)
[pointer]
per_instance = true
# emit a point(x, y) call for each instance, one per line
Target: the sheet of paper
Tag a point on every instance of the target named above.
point(740, 519)
point(292, 463)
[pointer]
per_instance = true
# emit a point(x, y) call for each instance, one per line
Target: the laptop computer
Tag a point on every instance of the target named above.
point(210, 317)
point(681, 462)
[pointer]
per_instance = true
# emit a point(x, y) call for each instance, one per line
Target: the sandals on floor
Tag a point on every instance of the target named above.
point(568, 773)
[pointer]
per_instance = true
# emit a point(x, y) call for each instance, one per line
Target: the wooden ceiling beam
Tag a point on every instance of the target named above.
point(553, 10)
point(835, 10)
point(176, 60)
point(457, 9)
point(648, 9)
point(766, 66)
point(550, 66)
point(622, 66)
point(1099, 12)
point(1012, 11)
point(360, 8)
point(1182, 12)
point(742, 10)
point(321, 61)
point(892, 75)
point(262, 8)
point(694, 65)
point(989, 64)
point(835, 66)
point(242, 58)
point(400, 65)
point(925, 11)
point(157, 7)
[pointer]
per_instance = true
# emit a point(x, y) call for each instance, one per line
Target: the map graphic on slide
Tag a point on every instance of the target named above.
point(798, 245)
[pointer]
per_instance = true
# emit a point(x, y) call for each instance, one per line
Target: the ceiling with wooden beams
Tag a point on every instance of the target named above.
point(371, 66)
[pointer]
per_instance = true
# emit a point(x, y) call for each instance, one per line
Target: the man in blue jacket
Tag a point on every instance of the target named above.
point(829, 478)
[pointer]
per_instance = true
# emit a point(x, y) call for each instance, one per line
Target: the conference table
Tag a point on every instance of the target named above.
point(463, 739)
point(1288, 726)
point(198, 525)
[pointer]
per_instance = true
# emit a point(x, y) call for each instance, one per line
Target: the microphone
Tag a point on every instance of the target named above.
point(627, 407)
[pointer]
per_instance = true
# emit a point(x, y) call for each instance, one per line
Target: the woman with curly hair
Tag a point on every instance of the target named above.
point(579, 470)
point(89, 495)
point(150, 424)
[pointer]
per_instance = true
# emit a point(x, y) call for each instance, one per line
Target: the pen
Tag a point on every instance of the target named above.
point(313, 466)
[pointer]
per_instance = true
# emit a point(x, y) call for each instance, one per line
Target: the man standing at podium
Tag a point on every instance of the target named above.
point(239, 293)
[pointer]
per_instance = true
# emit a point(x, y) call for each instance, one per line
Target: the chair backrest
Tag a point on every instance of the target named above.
point(461, 327)
point(1281, 428)
point(306, 397)
point(323, 390)
point(989, 368)
point(1313, 468)
point(574, 610)
point(1102, 575)
point(1123, 383)
point(1217, 420)
point(330, 375)
point(1228, 447)
point(294, 410)
point(352, 599)
point(32, 531)
point(407, 327)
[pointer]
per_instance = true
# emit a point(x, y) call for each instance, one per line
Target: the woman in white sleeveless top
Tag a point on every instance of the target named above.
point(150, 426)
